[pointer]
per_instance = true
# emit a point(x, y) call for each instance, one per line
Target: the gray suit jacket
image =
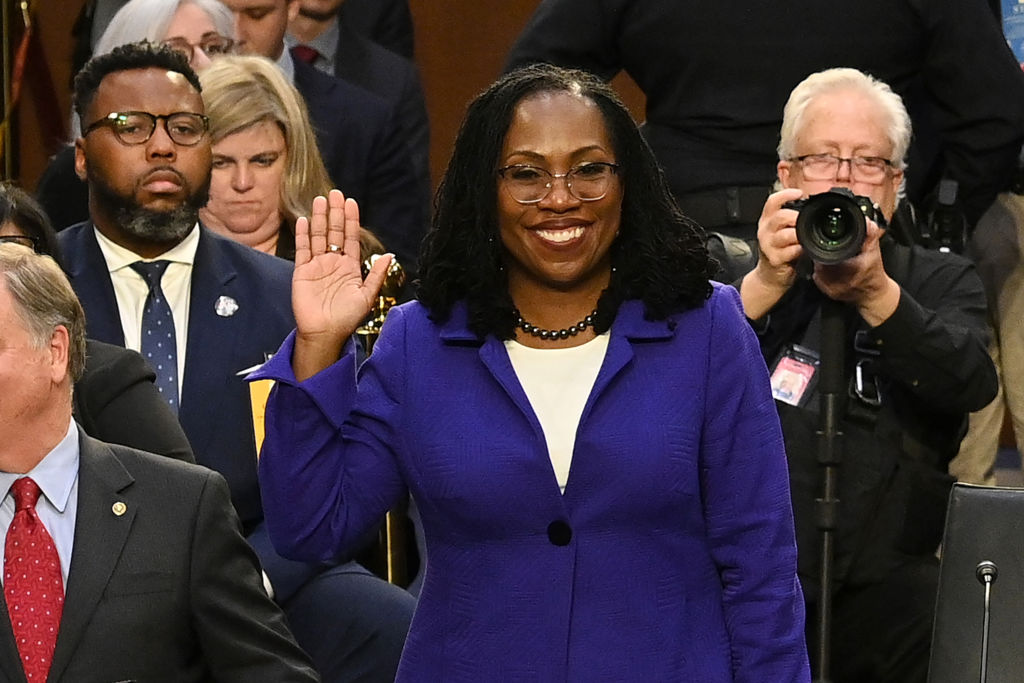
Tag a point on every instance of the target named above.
point(163, 588)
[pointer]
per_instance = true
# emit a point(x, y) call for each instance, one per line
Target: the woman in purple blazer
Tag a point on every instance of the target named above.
point(584, 421)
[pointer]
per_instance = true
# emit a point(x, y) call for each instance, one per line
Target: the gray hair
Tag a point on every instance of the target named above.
point(148, 20)
point(897, 125)
point(43, 299)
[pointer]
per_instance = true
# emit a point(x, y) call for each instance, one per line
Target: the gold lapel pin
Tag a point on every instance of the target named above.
point(119, 508)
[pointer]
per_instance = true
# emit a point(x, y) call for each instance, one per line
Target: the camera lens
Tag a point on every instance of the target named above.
point(831, 226)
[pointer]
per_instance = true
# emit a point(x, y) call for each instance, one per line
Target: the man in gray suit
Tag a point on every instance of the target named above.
point(149, 576)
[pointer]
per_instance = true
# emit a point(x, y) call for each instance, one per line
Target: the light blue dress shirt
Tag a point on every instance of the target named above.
point(57, 477)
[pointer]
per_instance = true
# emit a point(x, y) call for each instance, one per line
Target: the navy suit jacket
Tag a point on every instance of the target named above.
point(165, 590)
point(386, 22)
point(367, 158)
point(215, 410)
point(359, 60)
point(116, 401)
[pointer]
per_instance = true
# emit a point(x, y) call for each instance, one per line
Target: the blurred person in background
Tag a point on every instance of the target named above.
point(266, 166)
point(199, 29)
point(325, 34)
point(358, 132)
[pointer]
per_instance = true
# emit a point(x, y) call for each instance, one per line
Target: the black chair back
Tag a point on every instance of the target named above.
point(983, 524)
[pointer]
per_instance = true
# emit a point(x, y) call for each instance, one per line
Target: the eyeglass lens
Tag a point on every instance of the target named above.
point(828, 166)
point(23, 240)
point(531, 184)
point(136, 127)
point(211, 43)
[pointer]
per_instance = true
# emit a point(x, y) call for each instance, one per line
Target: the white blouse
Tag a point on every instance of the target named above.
point(558, 382)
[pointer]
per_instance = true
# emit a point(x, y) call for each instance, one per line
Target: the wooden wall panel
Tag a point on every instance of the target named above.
point(460, 49)
point(53, 21)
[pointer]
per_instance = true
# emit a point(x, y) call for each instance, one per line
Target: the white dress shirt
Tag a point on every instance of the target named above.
point(131, 290)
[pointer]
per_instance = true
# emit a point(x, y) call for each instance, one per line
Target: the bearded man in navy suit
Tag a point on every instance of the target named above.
point(146, 157)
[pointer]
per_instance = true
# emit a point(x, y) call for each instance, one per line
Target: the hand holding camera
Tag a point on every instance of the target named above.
point(839, 233)
point(832, 225)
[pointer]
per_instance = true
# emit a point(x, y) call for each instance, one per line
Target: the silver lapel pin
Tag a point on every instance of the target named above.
point(225, 306)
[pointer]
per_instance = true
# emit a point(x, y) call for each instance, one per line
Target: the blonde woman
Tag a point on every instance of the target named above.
point(266, 166)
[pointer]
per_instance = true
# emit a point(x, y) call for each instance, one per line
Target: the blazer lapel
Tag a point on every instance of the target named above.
point(90, 277)
point(100, 534)
point(10, 659)
point(212, 339)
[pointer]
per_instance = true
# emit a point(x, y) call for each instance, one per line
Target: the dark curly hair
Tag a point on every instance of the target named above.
point(659, 256)
point(128, 57)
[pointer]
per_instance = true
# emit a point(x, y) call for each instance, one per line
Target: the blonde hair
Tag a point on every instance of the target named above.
point(242, 91)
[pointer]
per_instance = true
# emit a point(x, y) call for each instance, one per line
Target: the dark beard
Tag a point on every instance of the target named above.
point(149, 225)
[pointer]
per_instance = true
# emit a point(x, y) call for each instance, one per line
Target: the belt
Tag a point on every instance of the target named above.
point(725, 206)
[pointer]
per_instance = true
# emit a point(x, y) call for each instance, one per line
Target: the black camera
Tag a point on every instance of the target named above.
point(832, 225)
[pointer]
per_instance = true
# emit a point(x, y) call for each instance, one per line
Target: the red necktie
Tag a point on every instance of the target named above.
point(305, 53)
point(33, 585)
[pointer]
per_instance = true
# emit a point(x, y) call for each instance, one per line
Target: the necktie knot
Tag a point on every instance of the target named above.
point(151, 272)
point(26, 494)
point(305, 53)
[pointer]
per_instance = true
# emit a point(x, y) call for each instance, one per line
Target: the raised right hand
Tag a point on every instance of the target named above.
point(330, 298)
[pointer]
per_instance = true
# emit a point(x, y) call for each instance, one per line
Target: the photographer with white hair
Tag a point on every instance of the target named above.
point(915, 365)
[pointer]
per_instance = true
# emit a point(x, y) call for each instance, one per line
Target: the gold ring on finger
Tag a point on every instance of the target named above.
point(335, 249)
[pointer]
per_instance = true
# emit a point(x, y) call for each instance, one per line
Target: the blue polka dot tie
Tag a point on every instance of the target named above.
point(159, 346)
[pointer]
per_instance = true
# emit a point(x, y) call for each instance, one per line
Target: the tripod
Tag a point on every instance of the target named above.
point(832, 389)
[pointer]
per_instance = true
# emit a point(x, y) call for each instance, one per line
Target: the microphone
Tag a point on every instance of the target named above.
point(986, 572)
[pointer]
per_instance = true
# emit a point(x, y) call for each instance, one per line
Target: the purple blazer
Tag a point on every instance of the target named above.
point(670, 557)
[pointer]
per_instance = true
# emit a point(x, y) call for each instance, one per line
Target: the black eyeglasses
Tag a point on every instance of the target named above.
point(531, 184)
point(136, 127)
point(212, 44)
point(24, 240)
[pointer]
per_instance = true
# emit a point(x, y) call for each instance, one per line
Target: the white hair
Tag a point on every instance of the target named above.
point(149, 20)
point(897, 125)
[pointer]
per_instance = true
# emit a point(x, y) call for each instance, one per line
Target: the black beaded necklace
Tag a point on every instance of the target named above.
point(552, 335)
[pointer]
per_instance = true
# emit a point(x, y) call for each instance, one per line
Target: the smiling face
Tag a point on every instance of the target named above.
point(560, 243)
point(245, 189)
point(845, 123)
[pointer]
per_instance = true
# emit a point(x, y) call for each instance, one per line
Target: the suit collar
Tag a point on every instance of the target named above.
point(630, 327)
point(101, 530)
point(212, 336)
point(89, 275)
